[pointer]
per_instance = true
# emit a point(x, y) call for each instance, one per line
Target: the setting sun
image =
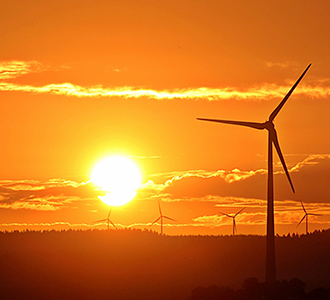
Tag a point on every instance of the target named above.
point(119, 177)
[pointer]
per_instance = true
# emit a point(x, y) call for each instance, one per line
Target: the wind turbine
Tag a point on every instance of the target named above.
point(161, 217)
point(233, 217)
point(108, 220)
point(306, 217)
point(272, 140)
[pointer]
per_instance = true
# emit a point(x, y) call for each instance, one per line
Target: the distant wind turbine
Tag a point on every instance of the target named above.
point(306, 217)
point(161, 217)
point(233, 217)
point(108, 220)
point(272, 140)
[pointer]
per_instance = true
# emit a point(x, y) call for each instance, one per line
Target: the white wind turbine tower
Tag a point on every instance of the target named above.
point(161, 217)
point(306, 217)
point(233, 217)
point(108, 220)
point(272, 140)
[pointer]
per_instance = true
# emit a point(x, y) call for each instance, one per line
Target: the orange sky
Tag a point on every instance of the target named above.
point(81, 80)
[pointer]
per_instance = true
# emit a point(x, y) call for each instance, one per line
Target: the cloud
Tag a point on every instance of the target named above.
point(228, 176)
point(14, 69)
point(31, 185)
point(213, 219)
point(265, 92)
point(283, 65)
point(53, 224)
point(243, 218)
point(248, 189)
point(147, 157)
point(286, 213)
point(310, 161)
point(310, 177)
point(46, 195)
point(36, 204)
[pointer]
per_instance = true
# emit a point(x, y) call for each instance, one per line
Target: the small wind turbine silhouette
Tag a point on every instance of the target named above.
point(306, 217)
point(161, 217)
point(233, 217)
point(272, 140)
point(108, 220)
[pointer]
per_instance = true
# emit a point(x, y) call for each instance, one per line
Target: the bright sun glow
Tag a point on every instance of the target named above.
point(119, 178)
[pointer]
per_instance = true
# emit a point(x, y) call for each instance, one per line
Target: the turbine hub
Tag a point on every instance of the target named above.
point(269, 125)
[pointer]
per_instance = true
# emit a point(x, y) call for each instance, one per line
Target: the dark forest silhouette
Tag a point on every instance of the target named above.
point(252, 289)
point(134, 264)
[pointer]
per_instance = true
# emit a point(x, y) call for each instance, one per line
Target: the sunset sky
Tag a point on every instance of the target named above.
point(84, 80)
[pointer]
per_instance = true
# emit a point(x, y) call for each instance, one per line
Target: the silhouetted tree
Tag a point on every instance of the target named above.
point(294, 289)
point(319, 294)
point(212, 293)
point(252, 290)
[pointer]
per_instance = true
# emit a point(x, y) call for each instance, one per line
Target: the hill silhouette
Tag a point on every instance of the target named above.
point(134, 264)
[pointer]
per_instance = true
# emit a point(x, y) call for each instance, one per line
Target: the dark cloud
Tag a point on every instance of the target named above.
point(47, 195)
point(311, 179)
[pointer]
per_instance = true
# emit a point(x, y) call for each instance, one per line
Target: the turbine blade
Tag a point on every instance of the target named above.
point(225, 214)
point(160, 210)
point(239, 212)
point(235, 228)
point(155, 221)
point(169, 218)
point(303, 207)
point(254, 125)
point(113, 224)
point(100, 220)
point(278, 108)
point(311, 214)
point(301, 220)
point(279, 152)
point(109, 213)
